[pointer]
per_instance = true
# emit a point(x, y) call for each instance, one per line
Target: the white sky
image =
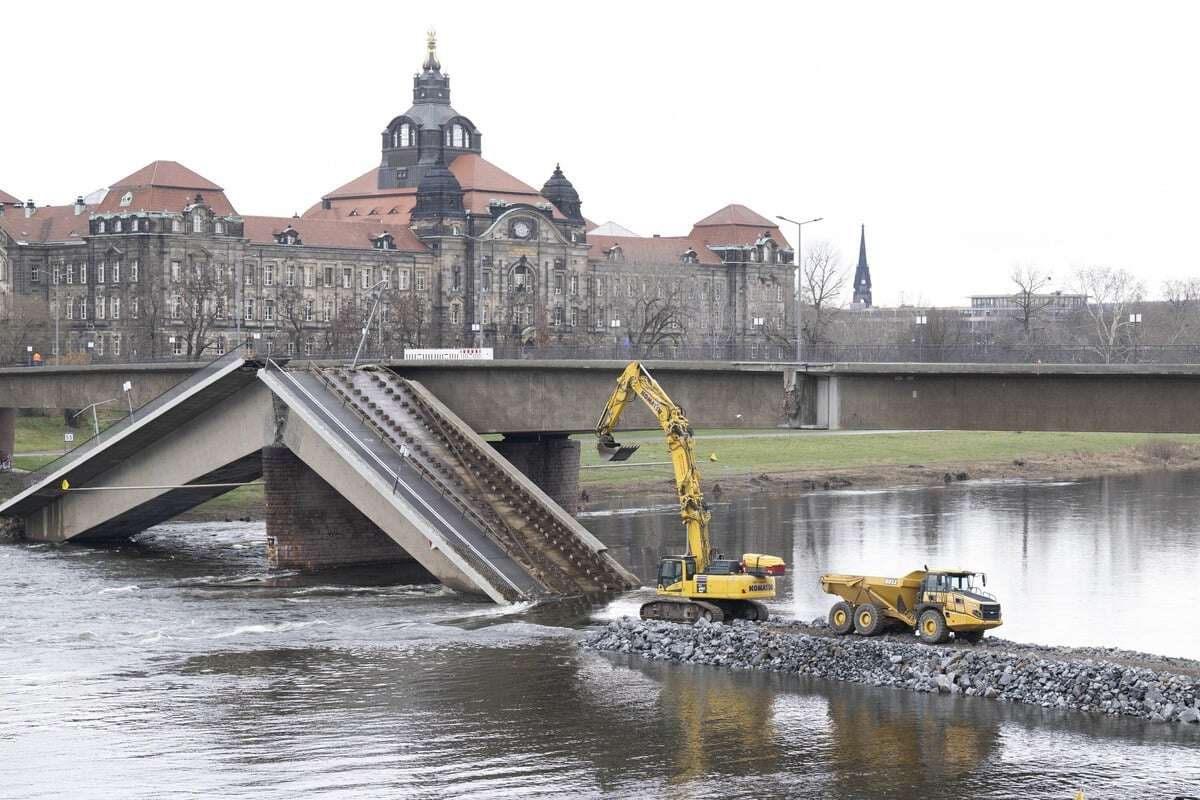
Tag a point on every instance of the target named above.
point(967, 136)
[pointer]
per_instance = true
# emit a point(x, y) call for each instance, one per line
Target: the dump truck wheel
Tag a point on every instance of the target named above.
point(868, 621)
point(931, 627)
point(841, 618)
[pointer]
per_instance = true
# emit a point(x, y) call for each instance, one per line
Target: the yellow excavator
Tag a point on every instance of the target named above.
point(700, 583)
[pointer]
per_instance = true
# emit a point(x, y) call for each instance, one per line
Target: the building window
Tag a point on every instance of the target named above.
point(327, 312)
point(365, 278)
point(57, 271)
point(133, 271)
point(308, 346)
point(100, 272)
point(558, 315)
point(177, 307)
point(70, 309)
point(308, 277)
point(219, 312)
point(574, 285)
point(114, 308)
point(574, 317)
point(420, 280)
point(133, 307)
point(248, 274)
point(455, 314)
point(520, 278)
point(116, 271)
point(308, 310)
point(328, 277)
point(197, 222)
point(133, 225)
point(268, 274)
point(487, 280)
point(83, 308)
point(100, 226)
point(347, 278)
point(177, 345)
point(268, 310)
point(175, 269)
point(116, 344)
point(100, 344)
point(70, 274)
point(126, 199)
point(487, 314)
point(289, 275)
point(220, 345)
point(176, 225)
point(402, 279)
point(386, 277)
point(100, 306)
point(116, 226)
point(248, 312)
point(35, 275)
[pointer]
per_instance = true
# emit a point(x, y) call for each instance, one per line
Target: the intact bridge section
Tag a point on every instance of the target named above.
point(358, 465)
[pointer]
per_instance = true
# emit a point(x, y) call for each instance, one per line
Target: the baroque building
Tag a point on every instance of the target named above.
point(435, 247)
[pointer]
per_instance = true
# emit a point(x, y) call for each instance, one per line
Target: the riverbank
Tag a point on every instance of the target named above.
point(812, 462)
point(1112, 682)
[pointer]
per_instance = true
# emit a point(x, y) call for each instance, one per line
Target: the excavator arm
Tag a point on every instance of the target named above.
point(636, 381)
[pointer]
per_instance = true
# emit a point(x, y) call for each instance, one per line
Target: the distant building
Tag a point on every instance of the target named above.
point(1053, 303)
point(459, 252)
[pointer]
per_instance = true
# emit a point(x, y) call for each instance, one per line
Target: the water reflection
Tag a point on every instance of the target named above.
point(1081, 563)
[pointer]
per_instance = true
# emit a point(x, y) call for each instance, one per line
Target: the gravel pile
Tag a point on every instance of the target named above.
point(1087, 684)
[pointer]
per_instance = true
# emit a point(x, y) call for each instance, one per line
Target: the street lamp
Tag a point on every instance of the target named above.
point(799, 280)
point(370, 317)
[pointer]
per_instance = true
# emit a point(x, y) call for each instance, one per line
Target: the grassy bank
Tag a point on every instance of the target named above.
point(749, 453)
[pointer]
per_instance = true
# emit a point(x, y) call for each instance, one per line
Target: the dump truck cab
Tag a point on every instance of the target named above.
point(966, 608)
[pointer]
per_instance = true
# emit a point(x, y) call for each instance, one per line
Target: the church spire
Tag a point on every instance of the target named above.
point(862, 273)
point(430, 85)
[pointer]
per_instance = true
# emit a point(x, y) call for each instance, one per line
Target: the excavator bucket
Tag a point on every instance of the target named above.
point(610, 450)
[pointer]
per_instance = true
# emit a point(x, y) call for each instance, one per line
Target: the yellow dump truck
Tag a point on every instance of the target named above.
point(934, 602)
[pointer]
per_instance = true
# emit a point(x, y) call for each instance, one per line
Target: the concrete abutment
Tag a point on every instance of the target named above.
point(8, 430)
point(310, 526)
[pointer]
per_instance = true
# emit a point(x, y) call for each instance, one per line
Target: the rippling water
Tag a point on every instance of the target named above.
point(180, 665)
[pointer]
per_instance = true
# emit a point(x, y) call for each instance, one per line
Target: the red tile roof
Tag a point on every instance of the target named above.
point(170, 174)
point(7, 198)
point(48, 224)
point(736, 225)
point(332, 233)
point(164, 186)
point(735, 214)
point(481, 181)
point(162, 199)
point(651, 249)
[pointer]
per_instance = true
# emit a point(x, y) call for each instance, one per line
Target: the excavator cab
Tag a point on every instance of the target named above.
point(675, 570)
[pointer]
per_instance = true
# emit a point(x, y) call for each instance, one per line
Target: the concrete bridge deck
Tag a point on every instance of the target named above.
point(413, 481)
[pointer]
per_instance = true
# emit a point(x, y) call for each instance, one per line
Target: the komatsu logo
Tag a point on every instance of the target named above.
point(760, 587)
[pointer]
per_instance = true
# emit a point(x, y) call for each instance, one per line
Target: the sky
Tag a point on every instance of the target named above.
point(967, 137)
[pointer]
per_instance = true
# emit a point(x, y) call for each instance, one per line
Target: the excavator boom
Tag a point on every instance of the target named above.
point(636, 381)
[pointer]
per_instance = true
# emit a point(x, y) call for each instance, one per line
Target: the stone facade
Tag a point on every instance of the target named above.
point(435, 247)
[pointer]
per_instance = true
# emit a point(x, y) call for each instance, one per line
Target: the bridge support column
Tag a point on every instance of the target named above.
point(8, 430)
point(310, 526)
point(549, 460)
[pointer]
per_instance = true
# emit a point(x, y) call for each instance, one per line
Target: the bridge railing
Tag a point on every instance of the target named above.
point(165, 398)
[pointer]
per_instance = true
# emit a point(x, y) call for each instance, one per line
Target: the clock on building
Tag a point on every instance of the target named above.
point(521, 229)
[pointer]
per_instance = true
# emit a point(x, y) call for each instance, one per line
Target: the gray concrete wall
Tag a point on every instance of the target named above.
point(1135, 403)
point(77, 387)
point(546, 396)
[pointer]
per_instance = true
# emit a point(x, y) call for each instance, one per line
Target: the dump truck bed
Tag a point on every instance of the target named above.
point(896, 596)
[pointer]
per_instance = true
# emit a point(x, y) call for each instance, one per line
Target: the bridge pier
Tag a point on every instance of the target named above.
point(8, 430)
point(310, 526)
point(549, 460)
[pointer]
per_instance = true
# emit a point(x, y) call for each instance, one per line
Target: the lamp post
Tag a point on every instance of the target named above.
point(370, 317)
point(799, 280)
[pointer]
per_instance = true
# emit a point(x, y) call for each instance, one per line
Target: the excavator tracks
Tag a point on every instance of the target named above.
point(680, 609)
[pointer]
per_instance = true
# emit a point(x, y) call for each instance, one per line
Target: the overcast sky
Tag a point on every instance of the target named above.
point(968, 137)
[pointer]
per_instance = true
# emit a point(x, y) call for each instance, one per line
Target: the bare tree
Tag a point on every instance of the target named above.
point(1030, 296)
point(1182, 296)
point(656, 319)
point(27, 323)
point(822, 283)
point(198, 304)
point(1110, 295)
point(294, 311)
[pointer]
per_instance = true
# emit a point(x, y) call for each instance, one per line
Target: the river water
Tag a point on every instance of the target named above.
point(179, 665)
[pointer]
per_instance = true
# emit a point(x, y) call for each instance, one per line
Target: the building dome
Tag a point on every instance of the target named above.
point(439, 194)
point(559, 191)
